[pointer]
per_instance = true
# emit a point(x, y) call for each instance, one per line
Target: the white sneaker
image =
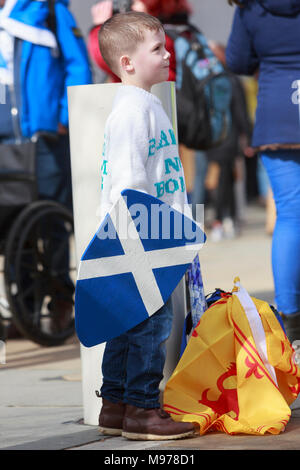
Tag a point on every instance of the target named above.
point(229, 228)
point(217, 232)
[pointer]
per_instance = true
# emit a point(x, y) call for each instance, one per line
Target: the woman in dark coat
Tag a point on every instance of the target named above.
point(266, 36)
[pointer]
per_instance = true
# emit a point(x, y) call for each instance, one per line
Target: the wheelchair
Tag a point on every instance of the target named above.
point(38, 261)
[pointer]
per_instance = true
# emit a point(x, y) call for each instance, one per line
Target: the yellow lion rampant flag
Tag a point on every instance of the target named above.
point(238, 373)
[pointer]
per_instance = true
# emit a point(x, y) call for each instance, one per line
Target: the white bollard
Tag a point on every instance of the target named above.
point(89, 107)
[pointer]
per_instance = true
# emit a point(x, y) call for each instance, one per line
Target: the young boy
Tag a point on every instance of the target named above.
point(140, 153)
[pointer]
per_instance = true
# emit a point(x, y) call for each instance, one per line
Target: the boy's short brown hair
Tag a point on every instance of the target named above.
point(121, 34)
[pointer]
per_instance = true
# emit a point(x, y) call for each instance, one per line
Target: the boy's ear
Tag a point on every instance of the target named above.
point(126, 64)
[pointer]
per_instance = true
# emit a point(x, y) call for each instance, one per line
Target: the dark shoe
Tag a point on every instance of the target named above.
point(153, 424)
point(12, 332)
point(292, 326)
point(61, 312)
point(111, 418)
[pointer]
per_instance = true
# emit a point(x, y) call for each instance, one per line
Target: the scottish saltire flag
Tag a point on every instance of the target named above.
point(130, 268)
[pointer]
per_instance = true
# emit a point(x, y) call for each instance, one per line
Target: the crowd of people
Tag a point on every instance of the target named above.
point(41, 54)
point(245, 167)
point(221, 178)
point(211, 177)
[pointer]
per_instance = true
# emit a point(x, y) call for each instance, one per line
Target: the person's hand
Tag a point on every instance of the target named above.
point(62, 130)
point(246, 146)
point(138, 5)
point(249, 152)
point(101, 12)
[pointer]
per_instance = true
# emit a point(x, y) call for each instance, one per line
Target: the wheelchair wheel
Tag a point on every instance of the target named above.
point(40, 273)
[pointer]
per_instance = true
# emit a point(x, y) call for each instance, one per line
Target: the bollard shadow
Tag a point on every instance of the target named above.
point(267, 296)
point(23, 353)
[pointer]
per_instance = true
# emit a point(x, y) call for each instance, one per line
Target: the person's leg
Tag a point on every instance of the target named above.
point(112, 390)
point(198, 194)
point(54, 170)
point(223, 225)
point(283, 168)
point(225, 206)
point(144, 419)
point(229, 218)
point(114, 365)
point(220, 194)
point(54, 184)
point(263, 182)
point(240, 191)
point(146, 358)
point(187, 158)
point(132, 368)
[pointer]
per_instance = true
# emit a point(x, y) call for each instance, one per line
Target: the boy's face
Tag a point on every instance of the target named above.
point(150, 61)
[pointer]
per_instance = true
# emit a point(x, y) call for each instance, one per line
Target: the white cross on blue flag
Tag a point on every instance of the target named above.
point(130, 268)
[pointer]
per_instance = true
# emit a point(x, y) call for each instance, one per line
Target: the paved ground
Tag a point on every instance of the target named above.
point(41, 396)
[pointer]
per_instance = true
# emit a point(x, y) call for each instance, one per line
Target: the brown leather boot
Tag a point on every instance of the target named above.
point(153, 424)
point(111, 418)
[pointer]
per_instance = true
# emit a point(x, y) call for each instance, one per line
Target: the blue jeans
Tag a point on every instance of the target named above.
point(283, 168)
point(54, 170)
point(133, 363)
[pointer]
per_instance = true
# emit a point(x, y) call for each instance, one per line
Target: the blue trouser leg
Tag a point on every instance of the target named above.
point(283, 168)
point(54, 183)
point(133, 362)
point(54, 170)
point(114, 365)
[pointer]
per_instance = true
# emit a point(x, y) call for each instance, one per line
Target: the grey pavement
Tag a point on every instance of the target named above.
point(41, 390)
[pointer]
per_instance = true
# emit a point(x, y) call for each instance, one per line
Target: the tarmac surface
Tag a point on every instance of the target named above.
point(41, 390)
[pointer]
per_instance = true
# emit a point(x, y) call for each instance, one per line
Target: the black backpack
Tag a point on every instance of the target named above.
point(203, 90)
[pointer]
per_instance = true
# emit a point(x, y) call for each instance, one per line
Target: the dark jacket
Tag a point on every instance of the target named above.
point(266, 36)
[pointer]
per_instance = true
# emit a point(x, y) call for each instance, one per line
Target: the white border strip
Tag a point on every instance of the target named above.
point(256, 326)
